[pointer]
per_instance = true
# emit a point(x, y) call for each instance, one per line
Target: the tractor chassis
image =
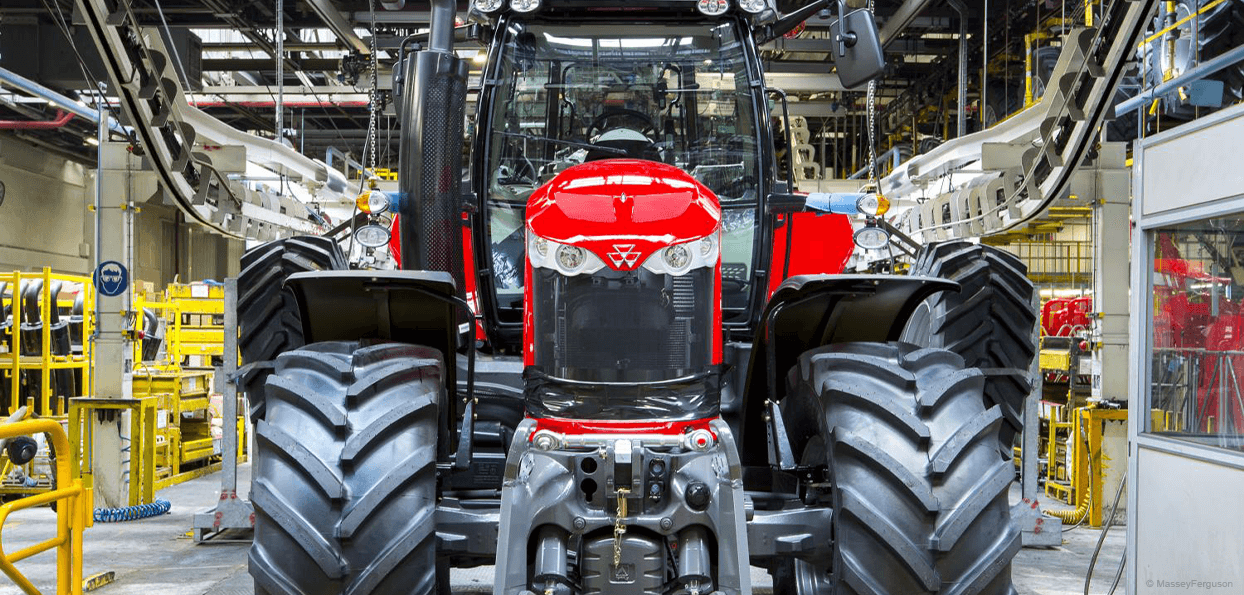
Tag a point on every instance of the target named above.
point(545, 499)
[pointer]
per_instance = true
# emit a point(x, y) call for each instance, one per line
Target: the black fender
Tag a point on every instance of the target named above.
point(810, 311)
point(416, 307)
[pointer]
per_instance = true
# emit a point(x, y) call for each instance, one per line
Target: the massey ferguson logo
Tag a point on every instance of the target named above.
point(623, 254)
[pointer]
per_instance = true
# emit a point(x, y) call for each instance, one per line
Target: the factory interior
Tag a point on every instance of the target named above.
point(603, 297)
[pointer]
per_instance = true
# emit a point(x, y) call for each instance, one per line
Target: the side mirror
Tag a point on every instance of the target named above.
point(857, 48)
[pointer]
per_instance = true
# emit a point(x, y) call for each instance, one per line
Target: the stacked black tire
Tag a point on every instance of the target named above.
point(991, 322)
point(345, 475)
point(918, 490)
point(267, 312)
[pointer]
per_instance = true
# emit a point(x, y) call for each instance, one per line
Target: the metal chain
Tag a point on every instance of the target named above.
point(371, 93)
point(619, 527)
point(872, 123)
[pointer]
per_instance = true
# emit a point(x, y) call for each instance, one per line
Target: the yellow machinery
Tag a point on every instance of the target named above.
point(201, 323)
point(175, 383)
point(73, 512)
point(1076, 467)
point(45, 363)
point(45, 358)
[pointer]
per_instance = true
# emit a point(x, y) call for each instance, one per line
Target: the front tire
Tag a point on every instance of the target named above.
point(345, 472)
point(918, 490)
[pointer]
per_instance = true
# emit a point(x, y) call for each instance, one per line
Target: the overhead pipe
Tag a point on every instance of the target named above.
point(18, 81)
point(961, 126)
point(906, 13)
point(1195, 73)
point(62, 118)
point(287, 104)
point(339, 25)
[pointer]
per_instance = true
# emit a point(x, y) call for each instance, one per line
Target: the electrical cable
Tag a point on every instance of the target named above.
point(181, 69)
point(101, 106)
point(1088, 578)
point(1118, 574)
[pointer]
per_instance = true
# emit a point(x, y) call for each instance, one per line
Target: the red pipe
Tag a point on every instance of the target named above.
point(273, 103)
point(62, 118)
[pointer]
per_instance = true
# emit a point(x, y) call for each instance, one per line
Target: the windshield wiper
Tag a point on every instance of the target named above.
point(570, 143)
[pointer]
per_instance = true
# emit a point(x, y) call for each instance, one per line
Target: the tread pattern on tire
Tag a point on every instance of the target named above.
point(991, 323)
point(330, 522)
point(267, 312)
point(917, 510)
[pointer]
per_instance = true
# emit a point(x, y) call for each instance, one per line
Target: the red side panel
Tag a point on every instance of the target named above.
point(822, 244)
point(395, 241)
point(583, 426)
point(529, 318)
point(468, 260)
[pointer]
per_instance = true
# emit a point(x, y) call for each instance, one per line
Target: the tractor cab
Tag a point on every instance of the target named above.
point(669, 90)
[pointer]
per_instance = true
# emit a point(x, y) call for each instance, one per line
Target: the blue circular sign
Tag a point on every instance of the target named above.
point(111, 278)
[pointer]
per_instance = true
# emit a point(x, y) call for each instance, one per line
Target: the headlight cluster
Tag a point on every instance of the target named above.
point(713, 8)
point(680, 258)
point(566, 259)
point(491, 6)
point(576, 260)
point(487, 6)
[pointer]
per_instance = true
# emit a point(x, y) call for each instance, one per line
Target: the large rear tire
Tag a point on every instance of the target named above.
point(991, 322)
point(918, 490)
point(267, 312)
point(345, 472)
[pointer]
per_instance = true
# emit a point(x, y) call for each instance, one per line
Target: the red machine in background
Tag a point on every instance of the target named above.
point(1062, 317)
point(1199, 323)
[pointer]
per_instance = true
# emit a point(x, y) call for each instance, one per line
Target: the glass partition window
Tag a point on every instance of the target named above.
point(1197, 375)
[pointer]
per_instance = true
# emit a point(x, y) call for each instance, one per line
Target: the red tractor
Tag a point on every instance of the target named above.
point(670, 382)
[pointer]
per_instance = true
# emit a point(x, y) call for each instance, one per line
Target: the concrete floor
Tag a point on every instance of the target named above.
point(158, 557)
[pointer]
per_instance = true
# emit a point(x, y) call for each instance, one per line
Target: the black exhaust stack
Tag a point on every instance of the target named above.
point(432, 110)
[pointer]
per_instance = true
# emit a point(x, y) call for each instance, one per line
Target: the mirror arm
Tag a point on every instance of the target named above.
point(787, 23)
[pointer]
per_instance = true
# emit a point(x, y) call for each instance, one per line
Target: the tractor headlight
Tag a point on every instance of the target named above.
point(713, 8)
point(372, 236)
point(752, 6)
point(372, 201)
point(564, 258)
point(871, 238)
point(680, 258)
point(524, 5)
point(872, 205)
point(677, 257)
point(570, 258)
point(487, 6)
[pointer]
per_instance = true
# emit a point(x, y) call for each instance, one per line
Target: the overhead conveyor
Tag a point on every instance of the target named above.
point(153, 100)
point(1004, 177)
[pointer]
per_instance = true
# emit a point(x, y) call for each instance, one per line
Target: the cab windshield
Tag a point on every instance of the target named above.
point(567, 93)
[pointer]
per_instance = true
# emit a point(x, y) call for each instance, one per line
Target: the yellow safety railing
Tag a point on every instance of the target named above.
point(72, 514)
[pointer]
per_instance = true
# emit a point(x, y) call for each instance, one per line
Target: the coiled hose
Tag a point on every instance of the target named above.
point(132, 513)
point(1084, 499)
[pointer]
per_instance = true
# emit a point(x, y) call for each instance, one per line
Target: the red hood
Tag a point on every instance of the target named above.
point(603, 204)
